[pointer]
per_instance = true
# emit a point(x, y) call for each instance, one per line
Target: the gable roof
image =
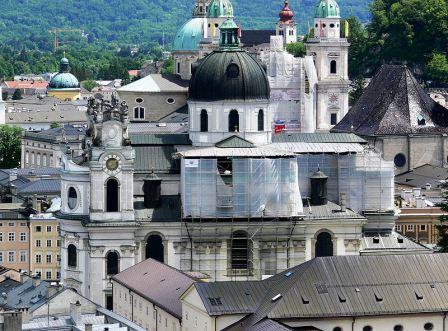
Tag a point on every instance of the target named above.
point(422, 175)
point(340, 286)
point(158, 283)
point(234, 142)
point(156, 83)
point(392, 104)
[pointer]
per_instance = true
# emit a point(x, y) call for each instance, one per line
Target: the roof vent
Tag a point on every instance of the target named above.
point(341, 298)
point(376, 240)
point(357, 290)
point(278, 296)
point(215, 301)
point(400, 240)
point(289, 273)
point(378, 297)
point(305, 300)
point(321, 288)
point(418, 295)
point(433, 285)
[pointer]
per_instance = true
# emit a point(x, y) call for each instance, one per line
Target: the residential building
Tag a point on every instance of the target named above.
point(26, 87)
point(148, 294)
point(45, 246)
point(154, 97)
point(400, 120)
point(14, 237)
point(359, 293)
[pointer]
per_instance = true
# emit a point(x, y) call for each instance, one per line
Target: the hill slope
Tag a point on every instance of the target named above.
point(26, 23)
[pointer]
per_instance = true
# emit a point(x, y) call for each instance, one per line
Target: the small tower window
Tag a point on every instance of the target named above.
point(72, 256)
point(260, 120)
point(72, 198)
point(324, 245)
point(333, 67)
point(154, 248)
point(421, 120)
point(178, 67)
point(139, 113)
point(112, 263)
point(233, 71)
point(112, 195)
point(204, 120)
point(334, 119)
point(234, 121)
point(331, 25)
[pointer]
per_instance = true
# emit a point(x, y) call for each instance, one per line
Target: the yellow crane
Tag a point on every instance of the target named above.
point(56, 32)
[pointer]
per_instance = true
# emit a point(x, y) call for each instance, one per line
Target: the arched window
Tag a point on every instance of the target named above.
point(72, 196)
point(27, 157)
point(38, 159)
point(154, 248)
point(178, 67)
point(240, 250)
point(234, 121)
point(72, 256)
point(32, 157)
point(44, 160)
point(260, 120)
point(112, 195)
point(112, 263)
point(333, 67)
point(139, 113)
point(324, 245)
point(367, 328)
point(204, 120)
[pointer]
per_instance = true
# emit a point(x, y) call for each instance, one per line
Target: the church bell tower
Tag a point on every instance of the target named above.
point(286, 27)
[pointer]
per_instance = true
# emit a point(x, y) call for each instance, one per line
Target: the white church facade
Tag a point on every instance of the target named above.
point(230, 199)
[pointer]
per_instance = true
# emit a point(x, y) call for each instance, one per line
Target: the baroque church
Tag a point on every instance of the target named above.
point(231, 199)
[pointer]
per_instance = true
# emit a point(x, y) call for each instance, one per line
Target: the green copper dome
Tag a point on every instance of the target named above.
point(327, 8)
point(64, 79)
point(220, 8)
point(189, 35)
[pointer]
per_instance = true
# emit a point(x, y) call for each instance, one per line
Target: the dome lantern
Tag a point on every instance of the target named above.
point(327, 9)
point(220, 8)
point(229, 35)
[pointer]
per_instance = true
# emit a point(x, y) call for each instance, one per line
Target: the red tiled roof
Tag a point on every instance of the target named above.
point(133, 73)
point(26, 84)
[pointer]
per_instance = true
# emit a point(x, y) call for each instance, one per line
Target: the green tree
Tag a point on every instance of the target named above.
point(17, 95)
point(54, 125)
point(438, 68)
point(168, 66)
point(297, 49)
point(359, 56)
point(10, 146)
point(357, 89)
point(89, 85)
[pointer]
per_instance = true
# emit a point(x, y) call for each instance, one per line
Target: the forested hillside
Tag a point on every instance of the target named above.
point(26, 23)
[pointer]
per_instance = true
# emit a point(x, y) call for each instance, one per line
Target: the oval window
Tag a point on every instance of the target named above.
point(331, 25)
point(72, 198)
point(398, 328)
point(139, 100)
point(170, 101)
point(428, 326)
point(400, 160)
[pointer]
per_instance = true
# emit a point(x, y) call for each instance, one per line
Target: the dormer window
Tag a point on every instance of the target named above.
point(421, 120)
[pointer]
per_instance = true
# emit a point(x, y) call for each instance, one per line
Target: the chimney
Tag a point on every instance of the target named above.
point(88, 327)
point(75, 312)
point(420, 202)
point(35, 204)
point(319, 188)
point(427, 186)
point(416, 191)
point(343, 201)
point(36, 280)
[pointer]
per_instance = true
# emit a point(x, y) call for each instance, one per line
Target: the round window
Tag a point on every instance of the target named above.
point(337, 328)
point(428, 326)
point(72, 198)
point(233, 70)
point(170, 101)
point(317, 25)
point(139, 100)
point(398, 328)
point(331, 25)
point(400, 160)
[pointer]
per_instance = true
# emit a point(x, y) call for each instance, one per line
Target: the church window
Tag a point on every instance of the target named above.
point(333, 67)
point(32, 157)
point(333, 119)
point(398, 328)
point(317, 25)
point(44, 160)
point(281, 32)
point(421, 120)
point(324, 245)
point(260, 120)
point(139, 112)
point(178, 67)
point(72, 256)
point(233, 70)
point(27, 157)
point(367, 328)
point(240, 250)
point(154, 248)
point(204, 120)
point(234, 121)
point(428, 326)
point(216, 25)
point(324, 25)
point(337, 328)
point(112, 195)
point(72, 198)
point(400, 160)
point(332, 25)
point(170, 101)
point(139, 100)
point(112, 263)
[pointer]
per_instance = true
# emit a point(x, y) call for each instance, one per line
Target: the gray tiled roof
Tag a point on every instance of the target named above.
point(286, 137)
point(71, 133)
point(155, 158)
point(391, 105)
point(330, 211)
point(341, 286)
point(420, 176)
point(157, 282)
point(270, 325)
point(40, 186)
point(8, 284)
point(178, 116)
point(157, 128)
point(160, 139)
point(234, 142)
point(26, 295)
point(69, 116)
point(392, 241)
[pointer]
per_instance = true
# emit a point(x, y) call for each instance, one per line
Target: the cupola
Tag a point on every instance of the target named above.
point(286, 14)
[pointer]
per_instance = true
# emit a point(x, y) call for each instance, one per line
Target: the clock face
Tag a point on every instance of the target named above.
point(112, 164)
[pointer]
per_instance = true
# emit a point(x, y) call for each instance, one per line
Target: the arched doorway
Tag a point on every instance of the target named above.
point(324, 245)
point(112, 263)
point(154, 248)
point(112, 195)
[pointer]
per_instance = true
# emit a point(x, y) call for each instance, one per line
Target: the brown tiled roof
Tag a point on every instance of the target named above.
point(158, 283)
